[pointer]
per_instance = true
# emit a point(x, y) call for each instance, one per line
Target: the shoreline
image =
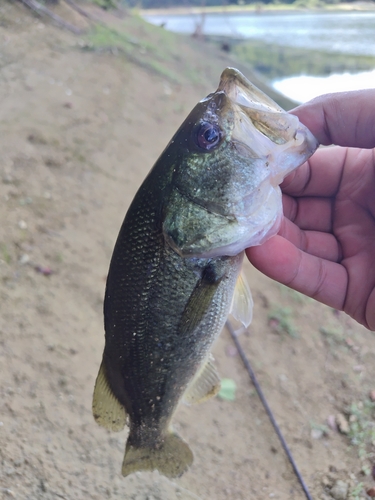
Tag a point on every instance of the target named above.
point(258, 8)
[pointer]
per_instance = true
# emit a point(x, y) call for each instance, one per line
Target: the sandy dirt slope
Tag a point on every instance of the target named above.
point(78, 133)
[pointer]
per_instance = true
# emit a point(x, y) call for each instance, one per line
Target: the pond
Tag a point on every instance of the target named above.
point(345, 32)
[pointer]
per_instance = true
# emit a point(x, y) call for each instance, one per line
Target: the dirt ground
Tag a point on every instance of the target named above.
point(79, 130)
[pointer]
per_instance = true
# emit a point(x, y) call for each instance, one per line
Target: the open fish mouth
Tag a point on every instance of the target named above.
point(262, 129)
point(229, 198)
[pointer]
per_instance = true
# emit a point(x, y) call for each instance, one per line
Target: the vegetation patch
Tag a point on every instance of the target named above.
point(362, 432)
point(144, 44)
point(276, 61)
point(281, 320)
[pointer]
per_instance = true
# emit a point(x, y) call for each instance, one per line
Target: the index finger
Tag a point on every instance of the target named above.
point(343, 118)
point(320, 176)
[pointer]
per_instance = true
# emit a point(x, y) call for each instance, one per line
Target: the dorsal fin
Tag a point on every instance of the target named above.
point(106, 408)
point(204, 385)
point(242, 303)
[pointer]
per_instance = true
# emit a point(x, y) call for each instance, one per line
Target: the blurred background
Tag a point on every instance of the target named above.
point(91, 92)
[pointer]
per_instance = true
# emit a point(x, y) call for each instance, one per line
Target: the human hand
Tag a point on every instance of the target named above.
point(326, 244)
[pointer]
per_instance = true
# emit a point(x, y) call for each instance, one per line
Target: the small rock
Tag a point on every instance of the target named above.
point(371, 492)
point(317, 433)
point(342, 423)
point(331, 422)
point(8, 492)
point(326, 481)
point(358, 368)
point(24, 259)
point(45, 270)
point(8, 179)
point(339, 490)
point(372, 395)
point(22, 224)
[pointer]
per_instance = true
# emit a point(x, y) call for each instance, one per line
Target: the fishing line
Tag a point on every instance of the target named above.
point(255, 382)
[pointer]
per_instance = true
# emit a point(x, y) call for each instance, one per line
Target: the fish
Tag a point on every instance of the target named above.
point(175, 273)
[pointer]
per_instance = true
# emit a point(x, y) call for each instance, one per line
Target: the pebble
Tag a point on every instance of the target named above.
point(22, 224)
point(8, 492)
point(326, 481)
point(342, 423)
point(371, 492)
point(317, 433)
point(331, 422)
point(24, 259)
point(45, 270)
point(339, 490)
point(358, 368)
point(372, 395)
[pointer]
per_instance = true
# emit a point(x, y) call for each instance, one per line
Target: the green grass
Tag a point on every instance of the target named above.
point(274, 61)
point(283, 321)
point(355, 494)
point(333, 335)
point(149, 46)
point(362, 432)
point(5, 254)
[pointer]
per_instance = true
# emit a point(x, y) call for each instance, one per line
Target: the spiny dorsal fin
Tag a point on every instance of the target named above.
point(242, 303)
point(205, 384)
point(107, 410)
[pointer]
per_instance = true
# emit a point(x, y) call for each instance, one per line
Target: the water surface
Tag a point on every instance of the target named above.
point(347, 32)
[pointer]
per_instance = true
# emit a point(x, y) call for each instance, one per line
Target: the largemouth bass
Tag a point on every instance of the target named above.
point(175, 271)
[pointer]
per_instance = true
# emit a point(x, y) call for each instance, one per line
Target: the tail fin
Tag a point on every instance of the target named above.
point(172, 458)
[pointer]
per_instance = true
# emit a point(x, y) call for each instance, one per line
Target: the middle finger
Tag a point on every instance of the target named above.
point(309, 213)
point(321, 244)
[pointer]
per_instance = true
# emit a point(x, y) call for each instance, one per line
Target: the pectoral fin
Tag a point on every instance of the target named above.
point(205, 384)
point(242, 303)
point(200, 300)
point(107, 410)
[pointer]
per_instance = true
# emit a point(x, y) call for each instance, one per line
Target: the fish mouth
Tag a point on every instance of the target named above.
point(263, 130)
point(238, 88)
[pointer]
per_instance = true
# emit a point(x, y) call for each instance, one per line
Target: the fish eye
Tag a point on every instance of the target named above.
point(208, 135)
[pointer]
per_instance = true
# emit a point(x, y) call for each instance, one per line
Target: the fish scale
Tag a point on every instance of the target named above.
point(145, 314)
point(175, 271)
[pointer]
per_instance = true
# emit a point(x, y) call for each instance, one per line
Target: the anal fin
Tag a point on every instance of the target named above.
point(242, 303)
point(204, 385)
point(107, 410)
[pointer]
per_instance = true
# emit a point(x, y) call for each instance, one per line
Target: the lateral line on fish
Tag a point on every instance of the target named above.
point(266, 406)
